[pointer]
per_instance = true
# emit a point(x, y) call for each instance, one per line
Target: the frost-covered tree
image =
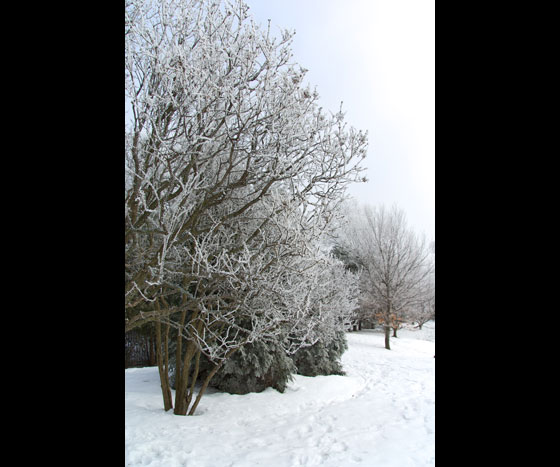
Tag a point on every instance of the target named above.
point(322, 299)
point(334, 300)
point(425, 309)
point(395, 263)
point(232, 172)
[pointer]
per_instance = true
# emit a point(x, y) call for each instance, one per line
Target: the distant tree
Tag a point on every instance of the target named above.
point(395, 263)
point(351, 264)
point(425, 310)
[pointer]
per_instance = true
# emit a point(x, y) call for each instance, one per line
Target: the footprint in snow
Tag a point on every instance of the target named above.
point(339, 447)
point(304, 430)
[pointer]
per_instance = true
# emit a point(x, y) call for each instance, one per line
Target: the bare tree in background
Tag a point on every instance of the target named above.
point(233, 174)
point(425, 309)
point(395, 263)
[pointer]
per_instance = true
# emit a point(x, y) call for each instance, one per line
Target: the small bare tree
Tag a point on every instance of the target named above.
point(425, 309)
point(395, 263)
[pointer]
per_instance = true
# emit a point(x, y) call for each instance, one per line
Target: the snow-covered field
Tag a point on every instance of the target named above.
point(381, 413)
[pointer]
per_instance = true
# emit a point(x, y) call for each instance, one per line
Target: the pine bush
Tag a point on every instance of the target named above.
point(253, 368)
point(322, 358)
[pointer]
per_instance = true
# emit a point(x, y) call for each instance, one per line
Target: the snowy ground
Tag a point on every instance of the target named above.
point(381, 413)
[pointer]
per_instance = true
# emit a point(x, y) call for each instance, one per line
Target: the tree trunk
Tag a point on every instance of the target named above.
point(179, 353)
point(394, 332)
point(181, 384)
point(182, 395)
point(203, 388)
point(180, 406)
point(209, 377)
point(387, 337)
point(163, 373)
point(152, 347)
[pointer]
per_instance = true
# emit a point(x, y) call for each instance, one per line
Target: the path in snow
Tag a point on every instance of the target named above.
point(380, 414)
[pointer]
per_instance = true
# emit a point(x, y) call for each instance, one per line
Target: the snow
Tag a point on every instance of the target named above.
point(382, 413)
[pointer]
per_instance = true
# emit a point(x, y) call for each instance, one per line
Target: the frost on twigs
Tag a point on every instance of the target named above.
point(233, 175)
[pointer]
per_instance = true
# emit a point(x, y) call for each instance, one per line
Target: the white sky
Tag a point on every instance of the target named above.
point(378, 57)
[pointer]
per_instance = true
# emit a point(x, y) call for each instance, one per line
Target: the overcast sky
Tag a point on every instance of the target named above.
point(378, 57)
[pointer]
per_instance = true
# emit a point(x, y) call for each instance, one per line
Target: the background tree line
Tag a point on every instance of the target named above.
point(396, 267)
